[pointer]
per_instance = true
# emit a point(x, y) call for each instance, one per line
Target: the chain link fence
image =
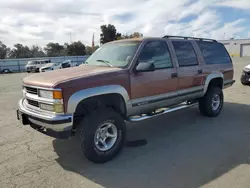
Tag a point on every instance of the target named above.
point(18, 65)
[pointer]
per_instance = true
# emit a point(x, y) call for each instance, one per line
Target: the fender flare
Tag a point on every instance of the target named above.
point(81, 95)
point(210, 77)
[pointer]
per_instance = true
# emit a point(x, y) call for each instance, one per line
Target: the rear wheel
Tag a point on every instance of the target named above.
point(102, 135)
point(212, 103)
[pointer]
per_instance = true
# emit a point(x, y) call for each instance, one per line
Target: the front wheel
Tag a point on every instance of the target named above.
point(212, 103)
point(102, 135)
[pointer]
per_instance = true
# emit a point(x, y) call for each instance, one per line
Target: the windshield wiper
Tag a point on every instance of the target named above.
point(106, 62)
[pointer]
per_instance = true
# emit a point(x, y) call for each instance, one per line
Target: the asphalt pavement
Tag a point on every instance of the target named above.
point(183, 150)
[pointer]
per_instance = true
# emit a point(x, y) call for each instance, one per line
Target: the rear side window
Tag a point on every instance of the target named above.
point(185, 53)
point(214, 53)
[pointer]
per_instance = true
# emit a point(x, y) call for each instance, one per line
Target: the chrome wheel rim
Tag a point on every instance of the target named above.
point(105, 136)
point(216, 102)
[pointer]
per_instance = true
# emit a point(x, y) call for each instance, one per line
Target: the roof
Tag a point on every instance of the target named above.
point(131, 39)
point(166, 37)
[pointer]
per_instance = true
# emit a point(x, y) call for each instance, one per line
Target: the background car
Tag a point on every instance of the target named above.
point(245, 76)
point(50, 67)
point(54, 66)
point(68, 63)
point(5, 71)
point(35, 65)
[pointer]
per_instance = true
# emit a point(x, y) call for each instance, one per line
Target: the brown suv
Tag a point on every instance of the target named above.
point(126, 80)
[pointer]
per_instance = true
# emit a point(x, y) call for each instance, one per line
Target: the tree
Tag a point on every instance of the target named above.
point(20, 51)
point(3, 50)
point(134, 35)
point(109, 33)
point(89, 49)
point(76, 48)
point(54, 49)
point(37, 51)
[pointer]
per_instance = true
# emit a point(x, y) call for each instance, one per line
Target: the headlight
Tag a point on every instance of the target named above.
point(58, 108)
point(46, 94)
point(57, 94)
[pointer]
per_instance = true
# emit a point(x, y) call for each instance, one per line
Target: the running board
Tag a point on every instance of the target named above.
point(161, 112)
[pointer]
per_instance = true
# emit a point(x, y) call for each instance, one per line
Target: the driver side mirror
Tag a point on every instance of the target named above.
point(145, 67)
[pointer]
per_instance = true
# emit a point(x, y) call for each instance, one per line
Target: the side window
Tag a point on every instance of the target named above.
point(214, 53)
point(158, 53)
point(185, 53)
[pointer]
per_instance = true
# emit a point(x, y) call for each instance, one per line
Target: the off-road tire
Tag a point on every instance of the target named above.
point(205, 103)
point(88, 129)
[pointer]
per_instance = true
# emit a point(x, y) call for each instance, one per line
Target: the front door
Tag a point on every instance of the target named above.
point(154, 86)
point(190, 77)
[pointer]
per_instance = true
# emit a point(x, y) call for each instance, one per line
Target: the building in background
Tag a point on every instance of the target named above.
point(237, 47)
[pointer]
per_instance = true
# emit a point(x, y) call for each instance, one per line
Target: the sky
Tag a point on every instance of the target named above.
point(37, 22)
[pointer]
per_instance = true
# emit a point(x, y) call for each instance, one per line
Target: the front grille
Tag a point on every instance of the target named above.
point(33, 103)
point(31, 90)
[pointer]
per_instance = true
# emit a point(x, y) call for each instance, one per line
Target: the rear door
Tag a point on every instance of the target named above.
point(190, 75)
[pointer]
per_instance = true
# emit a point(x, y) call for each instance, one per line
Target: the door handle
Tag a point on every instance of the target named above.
point(174, 75)
point(200, 71)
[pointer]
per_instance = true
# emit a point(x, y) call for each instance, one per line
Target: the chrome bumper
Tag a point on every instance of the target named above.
point(47, 123)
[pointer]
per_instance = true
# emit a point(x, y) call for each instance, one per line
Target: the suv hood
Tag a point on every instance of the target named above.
point(50, 79)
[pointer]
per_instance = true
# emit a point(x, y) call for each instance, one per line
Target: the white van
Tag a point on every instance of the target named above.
point(35, 65)
point(54, 66)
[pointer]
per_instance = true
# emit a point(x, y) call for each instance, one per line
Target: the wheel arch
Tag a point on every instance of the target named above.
point(97, 92)
point(216, 78)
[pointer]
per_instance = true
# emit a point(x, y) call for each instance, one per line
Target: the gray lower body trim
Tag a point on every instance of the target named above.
point(153, 99)
point(171, 95)
point(147, 104)
point(193, 90)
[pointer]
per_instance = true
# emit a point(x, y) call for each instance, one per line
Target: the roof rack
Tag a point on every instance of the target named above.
point(186, 38)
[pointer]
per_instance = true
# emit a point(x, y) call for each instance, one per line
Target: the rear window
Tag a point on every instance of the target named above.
point(214, 53)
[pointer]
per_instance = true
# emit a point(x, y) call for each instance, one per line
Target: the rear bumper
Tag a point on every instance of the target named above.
point(228, 83)
point(57, 126)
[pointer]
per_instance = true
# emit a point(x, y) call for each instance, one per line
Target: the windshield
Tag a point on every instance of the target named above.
point(117, 54)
